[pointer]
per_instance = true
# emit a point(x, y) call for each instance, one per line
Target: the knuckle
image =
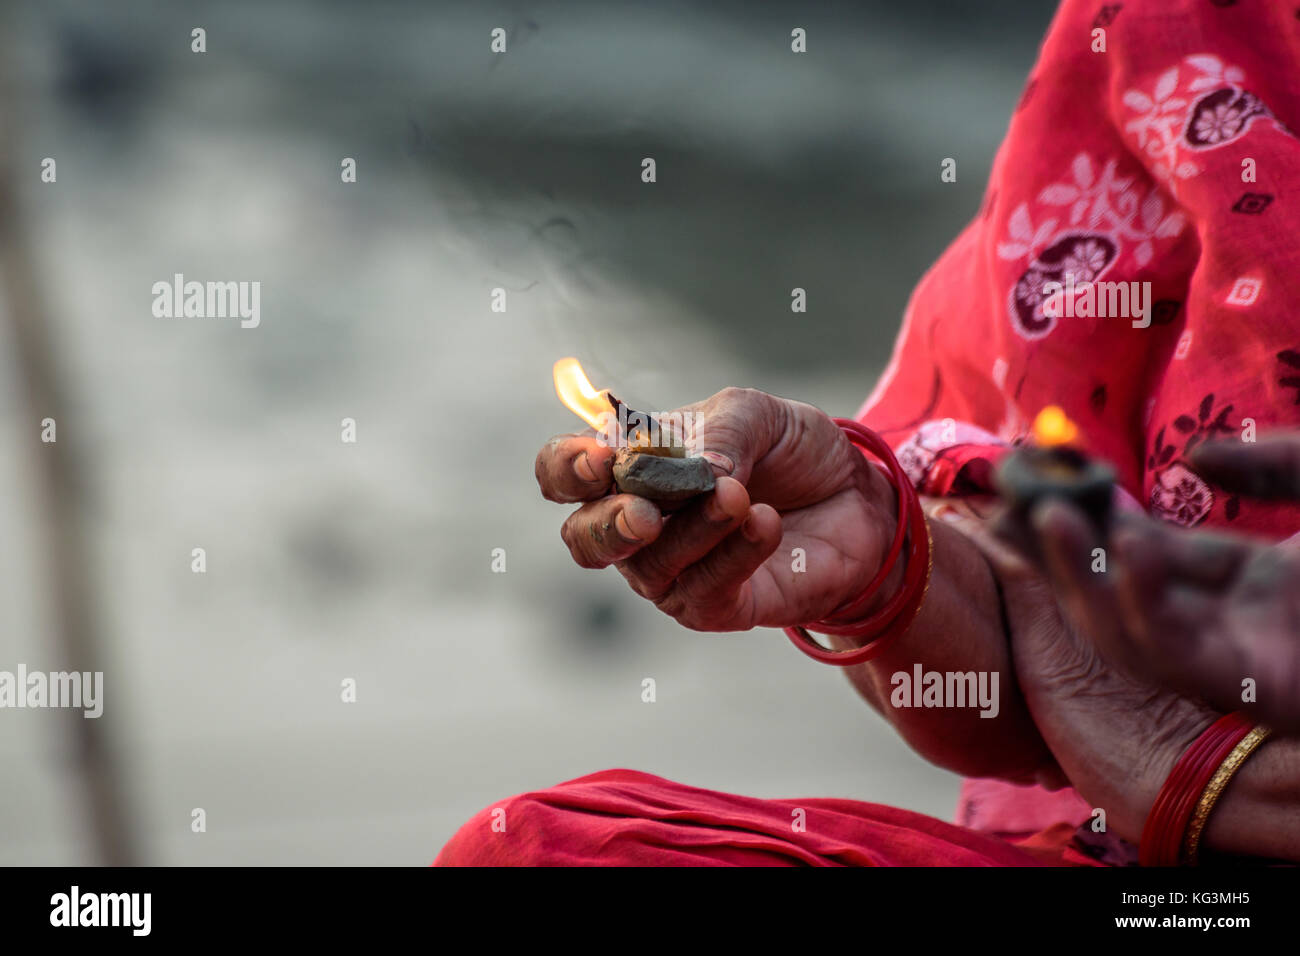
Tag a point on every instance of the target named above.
point(670, 603)
point(685, 605)
point(701, 616)
point(649, 573)
point(698, 589)
point(541, 473)
point(651, 591)
point(549, 471)
point(573, 536)
point(736, 395)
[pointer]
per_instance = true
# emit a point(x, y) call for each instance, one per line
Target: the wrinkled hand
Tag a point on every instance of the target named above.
point(786, 478)
point(1115, 735)
point(1206, 613)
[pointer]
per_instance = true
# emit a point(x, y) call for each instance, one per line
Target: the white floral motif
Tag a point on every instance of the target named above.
point(1170, 111)
point(1159, 124)
point(1084, 261)
point(1024, 237)
point(1220, 124)
point(1213, 73)
point(1105, 213)
point(1105, 203)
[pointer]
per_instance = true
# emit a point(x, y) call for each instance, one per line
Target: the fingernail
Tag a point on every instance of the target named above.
point(719, 461)
point(583, 468)
point(637, 513)
point(624, 532)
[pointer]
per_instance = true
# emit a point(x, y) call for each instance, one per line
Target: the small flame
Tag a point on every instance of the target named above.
point(579, 396)
point(1053, 427)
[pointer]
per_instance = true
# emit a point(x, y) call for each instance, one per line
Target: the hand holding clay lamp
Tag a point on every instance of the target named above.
point(651, 460)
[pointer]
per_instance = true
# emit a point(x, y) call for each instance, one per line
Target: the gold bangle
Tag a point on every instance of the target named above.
point(1214, 789)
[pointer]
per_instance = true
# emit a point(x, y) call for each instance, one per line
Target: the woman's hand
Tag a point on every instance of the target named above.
point(787, 478)
point(1115, 736)
point(1215, 615)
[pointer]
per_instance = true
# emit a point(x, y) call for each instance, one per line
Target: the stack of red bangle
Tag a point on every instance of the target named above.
point(1166, 823)
point(884, 626)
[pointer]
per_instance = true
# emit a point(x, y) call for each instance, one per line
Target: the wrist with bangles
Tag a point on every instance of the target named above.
point(884, 626)
point(1178, 817)
point(1176, 822)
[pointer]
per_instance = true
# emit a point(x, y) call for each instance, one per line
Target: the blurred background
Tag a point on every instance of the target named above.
point(372, 561)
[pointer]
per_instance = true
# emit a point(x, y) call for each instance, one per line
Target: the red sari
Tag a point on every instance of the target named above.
point(628, 818)
point(1167, 159)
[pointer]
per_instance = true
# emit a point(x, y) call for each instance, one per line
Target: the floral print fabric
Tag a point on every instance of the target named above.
point(1156, 180)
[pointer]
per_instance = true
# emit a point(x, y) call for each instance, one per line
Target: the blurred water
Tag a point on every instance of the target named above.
point(372, 561)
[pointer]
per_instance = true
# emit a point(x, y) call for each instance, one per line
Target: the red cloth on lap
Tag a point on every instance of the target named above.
point(629, 818)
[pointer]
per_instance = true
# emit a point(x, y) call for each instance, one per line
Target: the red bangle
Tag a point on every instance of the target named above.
point(888, 623)
point(1170, 814)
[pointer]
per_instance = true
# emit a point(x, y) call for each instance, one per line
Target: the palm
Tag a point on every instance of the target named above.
point(827, 550)
point(1220, 618)
point(832, 514)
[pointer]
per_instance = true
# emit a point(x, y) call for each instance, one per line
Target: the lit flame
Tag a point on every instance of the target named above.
point(1053, 427)
point(579, 396)
point(617, 424)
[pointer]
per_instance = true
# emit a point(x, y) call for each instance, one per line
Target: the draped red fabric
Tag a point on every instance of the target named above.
point(623, 817)
point(1136, 260)
point(1163, 169)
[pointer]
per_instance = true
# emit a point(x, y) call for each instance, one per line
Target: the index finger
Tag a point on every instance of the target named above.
point(574, 468)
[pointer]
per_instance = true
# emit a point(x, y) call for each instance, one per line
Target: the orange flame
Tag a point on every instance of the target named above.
point(579, 396)
point(1053, 427)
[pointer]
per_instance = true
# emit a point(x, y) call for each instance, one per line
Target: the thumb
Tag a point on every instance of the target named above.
point(735, 428)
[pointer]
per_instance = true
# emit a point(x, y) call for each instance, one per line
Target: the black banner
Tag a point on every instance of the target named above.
point(377, 905)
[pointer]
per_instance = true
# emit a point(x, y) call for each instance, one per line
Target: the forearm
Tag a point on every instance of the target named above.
point(959, 630)
point(1259, 813)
